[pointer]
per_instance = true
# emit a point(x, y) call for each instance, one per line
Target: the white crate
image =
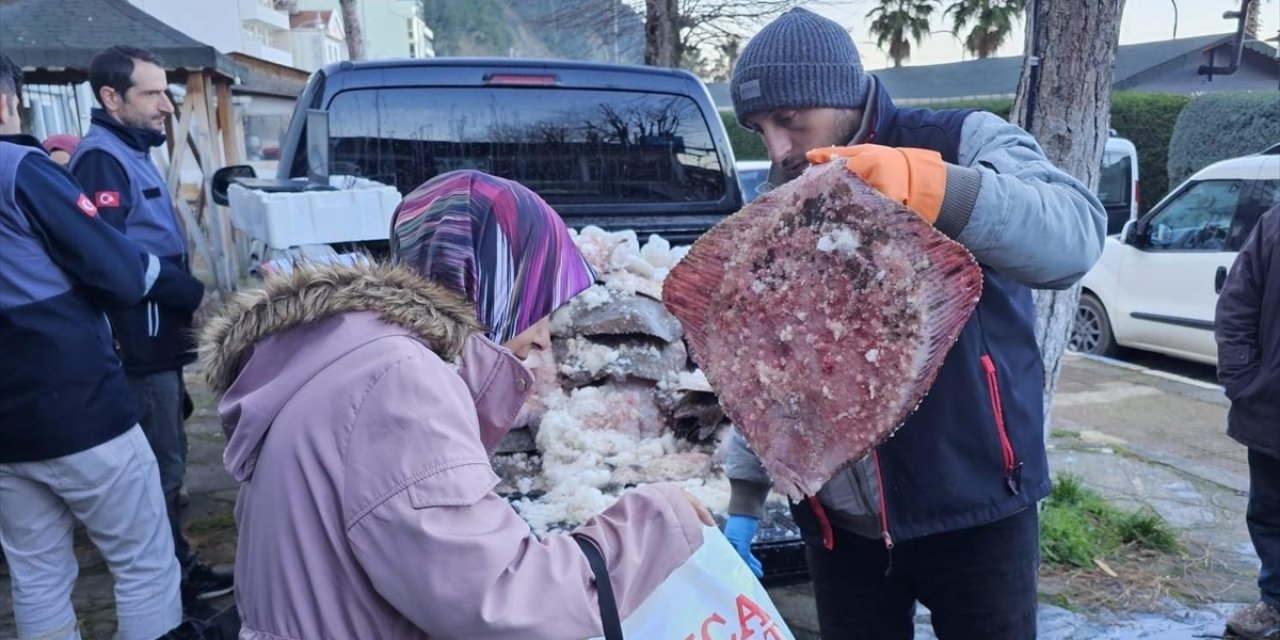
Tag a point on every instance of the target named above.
point(360, 210)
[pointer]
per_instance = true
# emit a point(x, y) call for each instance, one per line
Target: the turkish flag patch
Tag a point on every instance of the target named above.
point(86, 206)
point(107, 199)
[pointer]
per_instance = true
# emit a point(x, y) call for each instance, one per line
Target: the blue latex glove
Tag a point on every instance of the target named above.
point(740, 530)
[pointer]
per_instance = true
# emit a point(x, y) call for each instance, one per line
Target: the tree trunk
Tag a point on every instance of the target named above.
point(351, 28)
point(1066, 105)
point(1253, 20)
point(661, 33)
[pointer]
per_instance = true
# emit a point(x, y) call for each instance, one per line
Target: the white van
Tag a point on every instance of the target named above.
point(752, 178)
point(1118, 183)
point(1156, 285)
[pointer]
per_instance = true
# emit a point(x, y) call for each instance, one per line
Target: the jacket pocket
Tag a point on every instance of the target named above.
point(458, 485)
point(1012, 468)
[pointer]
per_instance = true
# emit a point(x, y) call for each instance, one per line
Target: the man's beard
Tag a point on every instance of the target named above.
point(142, 123)
point(846, 128)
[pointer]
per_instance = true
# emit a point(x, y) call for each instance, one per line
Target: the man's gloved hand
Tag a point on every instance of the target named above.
point(915, 177)
point(740, 530)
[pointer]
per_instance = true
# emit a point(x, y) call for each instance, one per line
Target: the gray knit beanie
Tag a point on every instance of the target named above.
point(799, 61)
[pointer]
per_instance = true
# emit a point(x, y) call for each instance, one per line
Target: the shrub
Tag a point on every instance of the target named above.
point(1217, 126)
point(746, 144)
point(1077, 525)
point(1147, 119)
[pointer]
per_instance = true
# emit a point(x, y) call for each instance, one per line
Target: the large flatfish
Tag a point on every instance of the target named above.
point(821, 313)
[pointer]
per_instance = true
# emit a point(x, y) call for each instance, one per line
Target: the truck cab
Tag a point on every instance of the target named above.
point(616, 146)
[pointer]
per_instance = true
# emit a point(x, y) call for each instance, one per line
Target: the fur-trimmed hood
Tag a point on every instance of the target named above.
point(439, 316)
point(268, 343)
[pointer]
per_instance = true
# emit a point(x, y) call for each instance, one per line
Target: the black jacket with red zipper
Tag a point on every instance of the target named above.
point(1247, 327)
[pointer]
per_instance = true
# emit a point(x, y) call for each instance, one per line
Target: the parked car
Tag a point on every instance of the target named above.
point(1118, 183)
point(753, 178)
point(1156, 285)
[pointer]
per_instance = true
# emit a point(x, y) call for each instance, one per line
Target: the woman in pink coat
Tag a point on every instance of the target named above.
point(361, 406)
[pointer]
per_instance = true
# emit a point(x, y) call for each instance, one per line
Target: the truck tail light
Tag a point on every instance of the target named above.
point(521, 80)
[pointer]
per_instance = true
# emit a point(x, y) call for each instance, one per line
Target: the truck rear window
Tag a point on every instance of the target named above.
point(571, 146)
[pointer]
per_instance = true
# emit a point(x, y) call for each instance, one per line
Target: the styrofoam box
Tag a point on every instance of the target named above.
point(359, 210)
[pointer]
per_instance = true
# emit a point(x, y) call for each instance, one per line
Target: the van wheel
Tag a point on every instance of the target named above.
point(1091, 329)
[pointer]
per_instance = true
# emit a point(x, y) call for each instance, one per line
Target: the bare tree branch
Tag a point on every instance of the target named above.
point(706, 31)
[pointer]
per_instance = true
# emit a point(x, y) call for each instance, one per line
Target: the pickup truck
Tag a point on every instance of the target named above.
point(620, 147)
point(615, 146)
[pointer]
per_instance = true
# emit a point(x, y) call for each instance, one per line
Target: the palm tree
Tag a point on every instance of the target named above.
point(894, 21)
point(991, 21)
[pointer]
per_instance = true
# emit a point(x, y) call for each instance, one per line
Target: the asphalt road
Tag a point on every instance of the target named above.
point(1176, 366)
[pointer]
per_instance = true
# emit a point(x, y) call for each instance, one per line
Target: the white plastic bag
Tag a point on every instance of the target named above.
point(712, 596)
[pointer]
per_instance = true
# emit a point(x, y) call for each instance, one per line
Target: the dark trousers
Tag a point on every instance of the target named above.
point(977, 583)
point(159, 400)
point(1263, 517)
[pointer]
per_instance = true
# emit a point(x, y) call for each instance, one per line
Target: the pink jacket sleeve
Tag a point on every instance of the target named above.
point(453, 557)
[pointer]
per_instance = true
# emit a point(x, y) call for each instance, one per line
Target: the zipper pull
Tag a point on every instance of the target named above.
point(1014, 479)
point(888, 548)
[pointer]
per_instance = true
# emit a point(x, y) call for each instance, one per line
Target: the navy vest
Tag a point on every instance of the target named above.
point(153, 221)
point(973, 452)
point(27, 273)
point(62, 390)
point(153, 337)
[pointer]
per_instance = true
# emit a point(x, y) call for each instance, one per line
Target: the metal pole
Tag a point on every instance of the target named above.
point(1175, 18)
point(1237, 44)
point(1034, 77)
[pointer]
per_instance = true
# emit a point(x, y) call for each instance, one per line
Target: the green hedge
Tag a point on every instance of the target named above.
point(1147, 119)
point(1217, 126)
point(746, 144)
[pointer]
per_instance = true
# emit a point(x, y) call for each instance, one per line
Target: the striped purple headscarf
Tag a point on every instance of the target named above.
point(495, 241)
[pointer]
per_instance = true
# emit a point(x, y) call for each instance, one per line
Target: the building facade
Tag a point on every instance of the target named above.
point(391, 28)
point(256, 28)
point(318, 39)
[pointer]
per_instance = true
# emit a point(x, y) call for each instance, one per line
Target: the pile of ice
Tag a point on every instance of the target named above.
point(618, 403)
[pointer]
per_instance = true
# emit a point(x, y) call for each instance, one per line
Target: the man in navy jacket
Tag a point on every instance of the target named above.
point(1248, 335)
point(114, 166)
point(70, 445)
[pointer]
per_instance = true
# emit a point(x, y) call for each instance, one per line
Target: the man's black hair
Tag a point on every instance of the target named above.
point(113, 67)
point(10, 76)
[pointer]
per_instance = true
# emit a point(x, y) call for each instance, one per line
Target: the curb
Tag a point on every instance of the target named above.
point(1155, 373)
